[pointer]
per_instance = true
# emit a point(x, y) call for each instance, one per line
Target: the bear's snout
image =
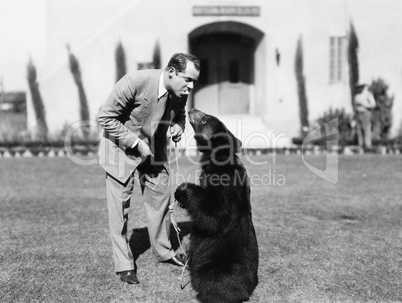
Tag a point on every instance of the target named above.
point(195, 116)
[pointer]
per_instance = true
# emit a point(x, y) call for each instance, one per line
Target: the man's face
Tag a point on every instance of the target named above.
point(181, 83)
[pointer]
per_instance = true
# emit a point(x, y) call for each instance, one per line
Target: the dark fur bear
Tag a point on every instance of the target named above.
point(223, 248)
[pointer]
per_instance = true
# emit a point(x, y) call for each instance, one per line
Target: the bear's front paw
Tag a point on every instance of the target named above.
point(182, 195)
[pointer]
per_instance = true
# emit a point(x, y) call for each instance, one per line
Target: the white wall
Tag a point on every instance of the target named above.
point(22, 35)
point(94, 27)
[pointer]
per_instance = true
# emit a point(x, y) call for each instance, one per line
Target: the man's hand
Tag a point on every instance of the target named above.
point(176, 132)
point(143, 149)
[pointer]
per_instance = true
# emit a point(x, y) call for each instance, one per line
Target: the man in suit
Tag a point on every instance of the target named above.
point(142, 108)
point(364, 104)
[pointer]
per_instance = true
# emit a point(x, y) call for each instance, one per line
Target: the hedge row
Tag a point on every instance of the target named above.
point(91, 149)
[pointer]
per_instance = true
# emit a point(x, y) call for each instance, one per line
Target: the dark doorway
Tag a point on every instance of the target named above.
point(227, 72)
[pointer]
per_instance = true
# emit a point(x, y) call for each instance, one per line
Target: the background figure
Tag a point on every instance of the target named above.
point(142, 108)
point(364, 103)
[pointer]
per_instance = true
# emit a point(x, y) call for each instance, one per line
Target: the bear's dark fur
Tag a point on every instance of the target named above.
point(223, 248)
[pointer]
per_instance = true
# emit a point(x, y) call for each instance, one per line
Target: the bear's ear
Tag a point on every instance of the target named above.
point(236, 142)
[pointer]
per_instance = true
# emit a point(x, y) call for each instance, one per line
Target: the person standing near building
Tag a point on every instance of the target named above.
point(135, 119)
point(364, 104)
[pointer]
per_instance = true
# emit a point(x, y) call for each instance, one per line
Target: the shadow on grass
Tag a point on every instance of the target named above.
point(139, 239)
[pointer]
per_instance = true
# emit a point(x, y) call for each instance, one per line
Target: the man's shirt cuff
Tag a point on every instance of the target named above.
point(135, 143)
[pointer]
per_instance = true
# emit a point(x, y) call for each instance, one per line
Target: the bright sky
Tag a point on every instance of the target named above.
point(22, 35)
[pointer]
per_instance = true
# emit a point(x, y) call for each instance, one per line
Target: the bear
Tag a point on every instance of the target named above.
point(223, 249)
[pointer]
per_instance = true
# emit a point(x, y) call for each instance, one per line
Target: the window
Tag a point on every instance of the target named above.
point(337, 56)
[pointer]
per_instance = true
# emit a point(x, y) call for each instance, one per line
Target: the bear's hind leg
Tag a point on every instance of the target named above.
point(227, 296)
point(222, 289)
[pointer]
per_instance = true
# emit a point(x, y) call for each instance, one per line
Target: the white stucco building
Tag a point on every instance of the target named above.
point(247, 47)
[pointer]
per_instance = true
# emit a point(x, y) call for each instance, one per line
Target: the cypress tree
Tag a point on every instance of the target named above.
point(353, 46)
point(39, 107)
point(156, 58)
point(84, 109)
point(120, 58)
point(301, 88)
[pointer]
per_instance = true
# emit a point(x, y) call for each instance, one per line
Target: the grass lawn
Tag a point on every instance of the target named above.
point(318, 242)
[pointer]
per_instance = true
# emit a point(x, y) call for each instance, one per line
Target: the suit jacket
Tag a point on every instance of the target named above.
point(123, 116)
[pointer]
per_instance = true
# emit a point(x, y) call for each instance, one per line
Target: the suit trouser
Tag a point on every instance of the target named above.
point(155, 185)
point(364, 128)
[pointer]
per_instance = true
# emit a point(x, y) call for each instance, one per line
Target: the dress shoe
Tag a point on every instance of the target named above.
point(178, 260)
point(129, 276)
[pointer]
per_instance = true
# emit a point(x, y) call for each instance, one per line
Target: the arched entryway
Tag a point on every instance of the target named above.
point(227, 52)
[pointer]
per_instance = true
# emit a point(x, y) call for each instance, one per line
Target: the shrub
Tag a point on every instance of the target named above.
point(346, 132)
point(382, 114)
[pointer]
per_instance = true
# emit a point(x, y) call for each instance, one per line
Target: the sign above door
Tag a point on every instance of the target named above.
point(249, 11)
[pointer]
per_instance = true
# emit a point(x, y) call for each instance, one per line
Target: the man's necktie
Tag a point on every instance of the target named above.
point(158, 110)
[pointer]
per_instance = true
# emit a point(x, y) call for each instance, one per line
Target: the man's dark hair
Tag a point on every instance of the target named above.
point(179, 62)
